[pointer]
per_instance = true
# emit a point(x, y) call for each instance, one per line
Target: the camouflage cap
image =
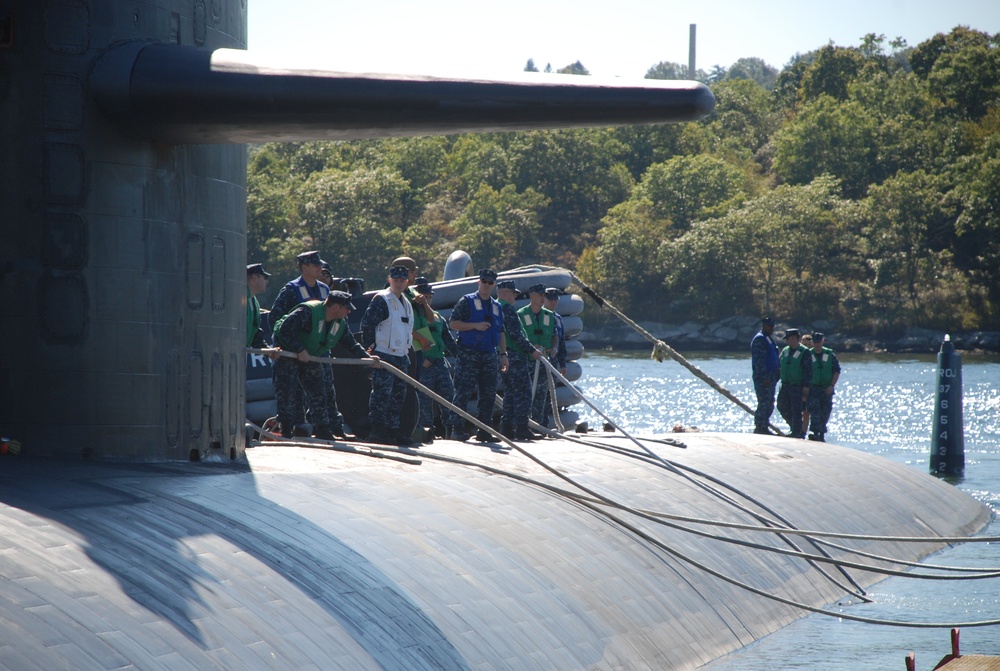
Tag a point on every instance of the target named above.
point(506, 284)
point(342, 298)
point(538, 288)
point(311, 258)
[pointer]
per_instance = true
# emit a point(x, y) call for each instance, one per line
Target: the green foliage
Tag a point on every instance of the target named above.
point(624, 265)
point(831, 137)
point(859, 184)
point(686, 189)
point(573, 69)
point(753, 69)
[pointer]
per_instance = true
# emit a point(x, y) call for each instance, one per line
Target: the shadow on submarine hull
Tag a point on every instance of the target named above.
point(314, 558)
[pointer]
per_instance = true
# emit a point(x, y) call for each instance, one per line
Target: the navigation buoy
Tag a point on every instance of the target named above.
point(947, 433)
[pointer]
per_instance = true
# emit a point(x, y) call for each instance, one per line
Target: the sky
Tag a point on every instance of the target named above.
point(612, 38)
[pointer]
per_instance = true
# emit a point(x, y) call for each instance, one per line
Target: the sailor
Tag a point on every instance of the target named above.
point(422, 313)
point(306, 287)
point(479, 322)
point(825, 374)
point(557, 359)
point(435, 372)
point(764, 361)
point(521, 351)
point(312, 329)
point(539, 325)
point(256, 284)
point(795, 363)
point(387, 330)
point(326, 274)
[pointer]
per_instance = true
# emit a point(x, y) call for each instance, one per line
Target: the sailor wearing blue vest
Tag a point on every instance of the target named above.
point(479, 322)
point(517, 377)
point(558, 357)
point(795, 364)
point(313, 328)
point(825, 374)
point(387, 330)
point(306, 287)
point(764, 360)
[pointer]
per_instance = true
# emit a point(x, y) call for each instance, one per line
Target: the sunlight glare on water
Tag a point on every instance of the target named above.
point(884, 405)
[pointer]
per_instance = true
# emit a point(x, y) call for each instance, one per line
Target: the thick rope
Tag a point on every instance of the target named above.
point(662, 350)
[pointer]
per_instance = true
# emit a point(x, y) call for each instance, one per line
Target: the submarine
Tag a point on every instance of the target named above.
point(136, 529)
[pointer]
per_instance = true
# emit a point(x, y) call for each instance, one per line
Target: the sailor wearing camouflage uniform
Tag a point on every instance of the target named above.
point(558, 359)
point(517, 378)
point(306, 287)
point(825, 373)
point(313, 328)
point(764, 362)
point(387, 327)
point(539, 325)
point(435, 372)
point(795, 363)
point(479, 321)
point(256, 284)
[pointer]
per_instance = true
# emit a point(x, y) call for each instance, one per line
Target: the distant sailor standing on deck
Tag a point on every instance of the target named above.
point(387, 330)
point(517, 377)
point(764, 360)
point(313, 328)
point(825, 374)
point(256, 284)
point(479, 322)
point(796, 371)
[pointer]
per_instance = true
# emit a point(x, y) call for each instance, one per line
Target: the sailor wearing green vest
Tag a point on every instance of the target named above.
point(825, 374)
point(795, 366)
point(256, 284)
point(517, 377)
point(539, 324)
point(435, 342)
point(313, 329)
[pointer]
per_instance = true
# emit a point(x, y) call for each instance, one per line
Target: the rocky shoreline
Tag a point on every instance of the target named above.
point(733, 334)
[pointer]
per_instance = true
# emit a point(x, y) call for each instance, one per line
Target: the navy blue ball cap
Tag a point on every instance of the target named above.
point(767, 321)
point(792, 332)
point(488, 274)
point(257, 269)
point(506, 284)
point(399, 272)
point(818, 337)
point(423, 285)
point(552, 293)
point(311, 258)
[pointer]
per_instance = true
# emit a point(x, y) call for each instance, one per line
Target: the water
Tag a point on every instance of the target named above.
point(883, 405)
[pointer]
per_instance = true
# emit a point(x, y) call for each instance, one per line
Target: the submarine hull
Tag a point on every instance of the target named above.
point(312, 558)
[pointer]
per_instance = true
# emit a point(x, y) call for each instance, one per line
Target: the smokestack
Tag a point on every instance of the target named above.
point(691, 41)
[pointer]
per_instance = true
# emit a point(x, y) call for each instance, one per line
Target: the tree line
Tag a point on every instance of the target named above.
point(857, 184)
